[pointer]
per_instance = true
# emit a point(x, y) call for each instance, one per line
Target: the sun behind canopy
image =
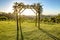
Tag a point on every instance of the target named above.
point(28, 12)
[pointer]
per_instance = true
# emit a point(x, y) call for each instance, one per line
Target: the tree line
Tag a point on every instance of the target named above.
point(44, 18)
point(51, 19)
point(12, 16)
point(6, 16)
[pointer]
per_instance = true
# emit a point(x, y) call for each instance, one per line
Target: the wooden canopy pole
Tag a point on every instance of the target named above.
point(36, 18)
point(39, 11)
point(22, 38)
point(16, 12)
point(17, 26)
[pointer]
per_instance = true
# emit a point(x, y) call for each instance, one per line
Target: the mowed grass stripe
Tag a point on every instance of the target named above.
point(30, 32)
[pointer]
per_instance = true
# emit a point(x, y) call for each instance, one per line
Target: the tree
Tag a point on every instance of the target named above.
point(58, 18)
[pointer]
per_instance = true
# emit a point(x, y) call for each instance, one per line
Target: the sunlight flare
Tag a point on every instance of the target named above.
point(28, 12)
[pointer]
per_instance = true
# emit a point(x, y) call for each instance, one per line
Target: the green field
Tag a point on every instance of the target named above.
point(30, 32)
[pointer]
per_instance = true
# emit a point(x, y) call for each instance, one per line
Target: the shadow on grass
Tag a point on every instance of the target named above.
point(50, 35)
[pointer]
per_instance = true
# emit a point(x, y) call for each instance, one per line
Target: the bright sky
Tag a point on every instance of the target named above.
point(50, 7)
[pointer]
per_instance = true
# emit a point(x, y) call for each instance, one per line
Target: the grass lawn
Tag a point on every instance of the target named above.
point(30, 32)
